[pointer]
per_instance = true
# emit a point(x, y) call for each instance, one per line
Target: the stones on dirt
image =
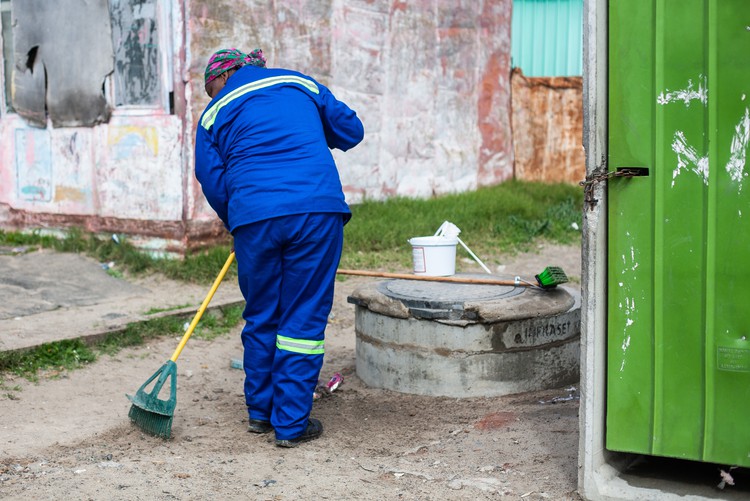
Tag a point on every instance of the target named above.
point(484, 484)
point(109, 464)
point(264, 483)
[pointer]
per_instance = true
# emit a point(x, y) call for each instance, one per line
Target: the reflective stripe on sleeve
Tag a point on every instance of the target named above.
point(302, 346)
point(210, 116)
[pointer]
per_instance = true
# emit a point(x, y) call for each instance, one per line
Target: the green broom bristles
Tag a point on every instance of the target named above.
point(552, 276)
point(155, 424)
point(151, 413)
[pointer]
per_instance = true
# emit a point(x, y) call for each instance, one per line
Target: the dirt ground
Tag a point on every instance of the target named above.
point(68, 436)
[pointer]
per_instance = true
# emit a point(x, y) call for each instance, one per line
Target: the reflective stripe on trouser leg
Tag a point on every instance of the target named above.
point(300, 345)
point(309, 270)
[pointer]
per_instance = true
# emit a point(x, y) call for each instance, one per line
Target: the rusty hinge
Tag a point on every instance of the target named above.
point(596, 177)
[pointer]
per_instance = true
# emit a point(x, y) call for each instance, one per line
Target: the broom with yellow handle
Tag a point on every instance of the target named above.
point(150, 413)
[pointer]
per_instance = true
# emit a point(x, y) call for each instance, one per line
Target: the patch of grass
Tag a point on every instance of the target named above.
point(199, 267)
point(61, 355)
point(138, 334)
point(115, 273)
point(10, 391)
point(506, 218)
point(154, 311)
point(74, 354)
point(215, 326)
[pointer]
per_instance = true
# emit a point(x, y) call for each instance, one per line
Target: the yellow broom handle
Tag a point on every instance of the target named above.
point(203, 307)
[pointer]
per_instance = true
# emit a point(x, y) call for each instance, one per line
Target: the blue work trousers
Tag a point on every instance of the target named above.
point(286, 267)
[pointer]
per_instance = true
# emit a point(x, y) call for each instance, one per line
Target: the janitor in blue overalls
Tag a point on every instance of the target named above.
point(262, 156)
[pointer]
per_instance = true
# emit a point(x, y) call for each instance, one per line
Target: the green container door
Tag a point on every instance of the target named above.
point(678, 347)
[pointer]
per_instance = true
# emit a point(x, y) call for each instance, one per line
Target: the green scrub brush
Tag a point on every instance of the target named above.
point(552, 276)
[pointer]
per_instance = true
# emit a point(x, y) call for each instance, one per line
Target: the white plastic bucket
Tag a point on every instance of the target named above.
point(434, 256)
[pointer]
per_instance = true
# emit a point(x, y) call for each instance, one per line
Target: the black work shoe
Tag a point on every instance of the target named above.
point(314, 430)
point(258, 426)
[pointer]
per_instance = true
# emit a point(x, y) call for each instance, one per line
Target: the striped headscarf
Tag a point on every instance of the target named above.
point(228, 59)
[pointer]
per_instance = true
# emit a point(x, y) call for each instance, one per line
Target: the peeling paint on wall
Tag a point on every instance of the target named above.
point(688, 94)
point(629, 267)
point(136, 51)
point(140, 175)
point(738, 151)
point(69, 194)
point(688, 157)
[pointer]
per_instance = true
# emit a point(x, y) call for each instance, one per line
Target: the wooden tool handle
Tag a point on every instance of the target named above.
point(460, 280)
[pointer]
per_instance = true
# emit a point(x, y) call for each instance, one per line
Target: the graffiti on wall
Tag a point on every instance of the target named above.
point(141, 177)
point(33, 165)
point(129, 142)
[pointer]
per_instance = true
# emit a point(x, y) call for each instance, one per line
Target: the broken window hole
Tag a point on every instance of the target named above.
point(31, 58)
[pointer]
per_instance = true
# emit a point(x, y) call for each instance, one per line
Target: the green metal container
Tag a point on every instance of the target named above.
point(678, 347)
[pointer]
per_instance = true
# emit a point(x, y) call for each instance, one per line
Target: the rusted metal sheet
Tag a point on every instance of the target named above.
point(548, 128)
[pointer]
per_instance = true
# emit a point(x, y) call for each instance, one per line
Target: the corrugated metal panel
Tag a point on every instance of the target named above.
point(678, 322)
point(547, 37)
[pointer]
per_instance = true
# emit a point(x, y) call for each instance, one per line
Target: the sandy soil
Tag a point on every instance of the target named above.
point(69, 437)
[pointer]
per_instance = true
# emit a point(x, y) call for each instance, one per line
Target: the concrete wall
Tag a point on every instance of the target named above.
point(429, 78)
point(59, 167)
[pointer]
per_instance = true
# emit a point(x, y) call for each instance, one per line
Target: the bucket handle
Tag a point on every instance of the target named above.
point(448, 229)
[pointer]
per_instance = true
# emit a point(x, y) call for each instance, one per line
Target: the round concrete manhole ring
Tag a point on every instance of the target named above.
point(465, 340)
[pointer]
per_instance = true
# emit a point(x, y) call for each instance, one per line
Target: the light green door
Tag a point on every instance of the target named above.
point(678, 374)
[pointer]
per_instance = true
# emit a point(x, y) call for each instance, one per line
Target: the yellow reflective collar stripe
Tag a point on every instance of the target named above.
point(210, 116)
point(304, 346)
